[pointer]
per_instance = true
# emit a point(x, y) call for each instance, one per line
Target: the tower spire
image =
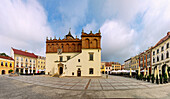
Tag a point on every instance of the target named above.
point(69, 33)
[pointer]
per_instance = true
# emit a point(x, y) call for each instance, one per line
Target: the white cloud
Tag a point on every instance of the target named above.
point(156, 22)
point(117, 41)
point(90, 27)
point(73, 14)
point(23, 25)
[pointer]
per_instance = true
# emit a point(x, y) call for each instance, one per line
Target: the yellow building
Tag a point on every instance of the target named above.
point(6, 65)
point(41, 64)
point(103, 67)
point(135, 62)
point(116, 66)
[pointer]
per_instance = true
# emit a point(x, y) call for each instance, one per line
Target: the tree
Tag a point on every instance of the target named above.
point(3, 54)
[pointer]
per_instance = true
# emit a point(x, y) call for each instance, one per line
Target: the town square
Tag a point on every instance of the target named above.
point(84, 49)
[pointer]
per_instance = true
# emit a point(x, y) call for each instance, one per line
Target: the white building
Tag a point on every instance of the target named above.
point(160, 55)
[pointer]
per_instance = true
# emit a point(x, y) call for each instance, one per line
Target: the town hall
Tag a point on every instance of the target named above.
point(72, 56)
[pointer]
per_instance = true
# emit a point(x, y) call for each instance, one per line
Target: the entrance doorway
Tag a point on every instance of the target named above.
point(61, 70)
point(163, 69)
point(78, 72)
point(3, 72)
point(17, 70)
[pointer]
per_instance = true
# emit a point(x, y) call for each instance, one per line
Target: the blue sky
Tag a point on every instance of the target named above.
point(127, 27)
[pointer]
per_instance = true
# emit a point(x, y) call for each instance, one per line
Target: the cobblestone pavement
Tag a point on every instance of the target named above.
point(34, 87)
point(112, 83)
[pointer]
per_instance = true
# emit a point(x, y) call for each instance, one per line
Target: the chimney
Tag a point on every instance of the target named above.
point(25, 50)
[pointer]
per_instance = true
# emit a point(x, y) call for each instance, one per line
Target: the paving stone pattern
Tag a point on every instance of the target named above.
point(112, 83)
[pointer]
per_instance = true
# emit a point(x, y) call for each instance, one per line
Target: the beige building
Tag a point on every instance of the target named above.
point(73, 56)
point(116, 66)
point(160, 55)
point(41, 61)
point(127, 64)
point(6, 65)
point(103, 67)
point(26, 62)
point(135, 62)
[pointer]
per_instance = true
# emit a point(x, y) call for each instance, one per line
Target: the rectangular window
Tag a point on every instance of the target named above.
point(144, 57)
point(78, 60)
point(153, 52)
point(68, 57)
point(157, 51)
point(141, 59)
point(6, 64)
point(91, 56)
point(162, 48)
point(91, 71)
point(61, 58)
point(72, 73)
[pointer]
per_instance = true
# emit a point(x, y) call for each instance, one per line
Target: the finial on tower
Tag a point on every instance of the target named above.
point(99, 31)
point(69, 33)
point(50, 38)
point(90, 32)
point(82, 30)
point(54, 37)
point(47, 38)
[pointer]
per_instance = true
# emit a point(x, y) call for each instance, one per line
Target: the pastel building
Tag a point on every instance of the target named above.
point(145, 59)
point(160, 56)
point(116, 66)
point(72, 56)
point(41, 61)
point(6, 65)
point(25, 62)
point(108, 67)
point(127, 64)
point(103, 67)
point(135, 62)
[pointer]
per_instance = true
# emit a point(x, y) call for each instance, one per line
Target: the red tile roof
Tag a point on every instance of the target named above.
point(108, 64)
point(163, 39)
point(24, 53)
point(6, 57)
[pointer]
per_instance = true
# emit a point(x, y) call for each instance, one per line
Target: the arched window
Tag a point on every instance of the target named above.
point(87, 41)
point(62, 47)
point(167, 45)
point(157, 58)
point(162, 57)
point(167, 54)
point(73, 47)
point(10, 64)
point(79, 47)
point(6, 64)
point(2, 64)
point(67, 47)
point(52, 47)
point(95, 43)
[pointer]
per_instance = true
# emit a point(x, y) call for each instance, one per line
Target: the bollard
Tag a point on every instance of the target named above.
point(106, 76)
